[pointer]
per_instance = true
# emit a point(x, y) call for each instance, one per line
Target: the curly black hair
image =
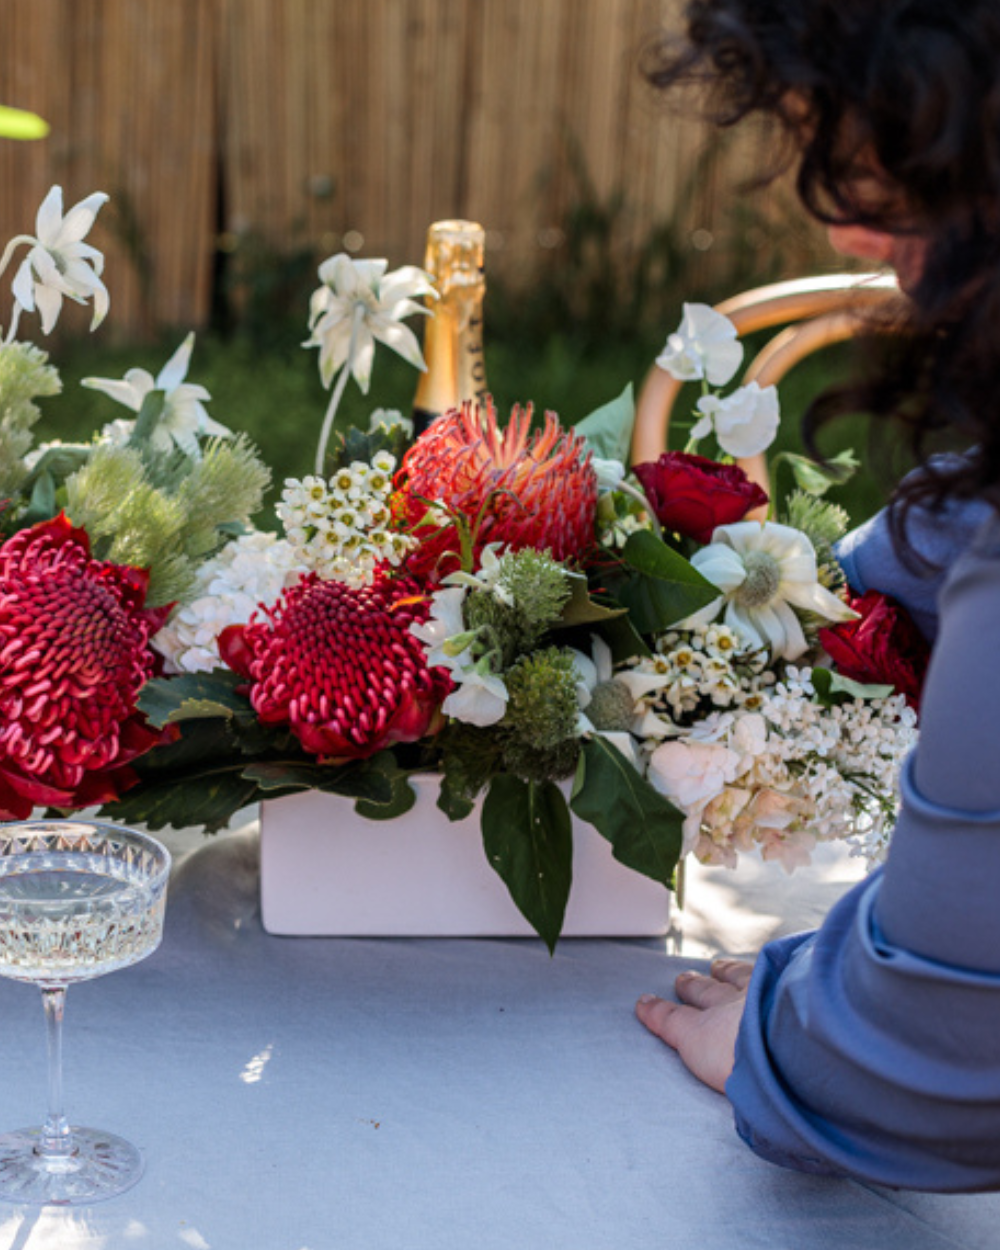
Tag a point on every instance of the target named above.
point(914, 84)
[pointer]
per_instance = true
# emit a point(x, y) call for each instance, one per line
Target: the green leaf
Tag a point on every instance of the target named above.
point(373, 780)
point(61, 461)
point(833, 689)
point(528, 838)
point(42, 505)
point(608, 430)
point(403, 798)
point(453, 799)
point(203, 744)
point(816, 478)
point(193, 696)
point(662, 587)
point(210, 798)
point(644, 828)
point(149, 415)
point(581, 609)
point(357, 444)
point(20, 124)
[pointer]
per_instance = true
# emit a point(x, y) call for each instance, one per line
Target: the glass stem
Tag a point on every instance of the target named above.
point(55, 1141)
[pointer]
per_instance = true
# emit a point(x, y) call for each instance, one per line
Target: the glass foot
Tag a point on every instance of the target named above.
point(100, 1166)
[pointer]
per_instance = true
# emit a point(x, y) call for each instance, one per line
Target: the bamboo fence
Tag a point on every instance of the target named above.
point(330, 124)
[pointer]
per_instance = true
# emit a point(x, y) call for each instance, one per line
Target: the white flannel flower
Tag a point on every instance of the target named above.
point(358, 304)
point(59, 263)
point(184, 417)
point(745, 422)
point(607, 706)
point(764, 571)
point(704, 345)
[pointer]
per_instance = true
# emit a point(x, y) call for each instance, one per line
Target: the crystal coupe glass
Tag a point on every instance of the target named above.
point(77, 899)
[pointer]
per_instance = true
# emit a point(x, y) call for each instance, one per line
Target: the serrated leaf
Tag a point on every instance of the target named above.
point(209, 799)
point(372, 780)
point(832, 688)
point(454, 801)
point(659, 587)
point(645, 830)
point(193, 696)
point(403, 798)
point(608, 430)
point(528, 839)
point(201, 745)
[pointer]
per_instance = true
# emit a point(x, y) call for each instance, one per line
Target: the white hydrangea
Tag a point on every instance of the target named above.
point(341, 528)
point(778, 775)
point(248, 572)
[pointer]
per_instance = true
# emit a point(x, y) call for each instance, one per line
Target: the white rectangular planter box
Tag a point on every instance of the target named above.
point(326, 871)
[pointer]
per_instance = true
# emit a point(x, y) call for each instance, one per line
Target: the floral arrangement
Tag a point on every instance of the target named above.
point(662, 651)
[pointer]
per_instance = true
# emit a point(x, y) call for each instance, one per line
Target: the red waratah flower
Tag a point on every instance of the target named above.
point(691, 495)
point(339, 666)
point(512, 487)
point(74, 655)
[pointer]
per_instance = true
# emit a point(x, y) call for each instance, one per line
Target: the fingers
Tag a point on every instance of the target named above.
point(734, 971)
point(703, 992)
point(671, 1022)
point(704, 1039)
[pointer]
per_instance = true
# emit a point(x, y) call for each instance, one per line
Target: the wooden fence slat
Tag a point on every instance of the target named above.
point(308, 119)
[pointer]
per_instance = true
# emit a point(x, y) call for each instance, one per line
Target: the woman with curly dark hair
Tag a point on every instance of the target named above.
point(870, 1048)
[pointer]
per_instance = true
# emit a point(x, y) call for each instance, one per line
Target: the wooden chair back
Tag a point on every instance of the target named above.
point(816, 311)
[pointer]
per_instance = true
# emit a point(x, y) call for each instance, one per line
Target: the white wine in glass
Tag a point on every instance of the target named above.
point(77, 899)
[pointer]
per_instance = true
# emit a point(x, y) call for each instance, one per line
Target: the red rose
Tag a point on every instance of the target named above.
point(691, 495)
point(882, 647)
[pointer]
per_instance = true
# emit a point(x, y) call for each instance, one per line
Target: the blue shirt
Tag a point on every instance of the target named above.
point(871, 1048)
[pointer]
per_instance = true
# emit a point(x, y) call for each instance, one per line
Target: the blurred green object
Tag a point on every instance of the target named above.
point(20, 124)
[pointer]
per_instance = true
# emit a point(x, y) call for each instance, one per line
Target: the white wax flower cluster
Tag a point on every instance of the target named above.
point(692, 670)
point(786, 776)
point(251, 570)
point(339, 527)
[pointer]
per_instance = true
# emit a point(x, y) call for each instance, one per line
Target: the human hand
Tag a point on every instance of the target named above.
point(702, 1027)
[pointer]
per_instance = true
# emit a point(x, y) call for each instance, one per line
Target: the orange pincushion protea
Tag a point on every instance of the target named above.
point(512, 487)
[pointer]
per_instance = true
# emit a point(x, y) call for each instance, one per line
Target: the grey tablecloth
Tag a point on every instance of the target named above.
point(311, 1094)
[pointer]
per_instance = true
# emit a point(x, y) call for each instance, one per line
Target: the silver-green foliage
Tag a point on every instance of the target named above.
point(25, 375)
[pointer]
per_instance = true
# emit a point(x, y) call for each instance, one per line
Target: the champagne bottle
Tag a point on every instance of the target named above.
point(453, 333)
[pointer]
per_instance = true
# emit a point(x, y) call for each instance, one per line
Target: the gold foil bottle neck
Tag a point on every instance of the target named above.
point(455, 261)
point(453, 333)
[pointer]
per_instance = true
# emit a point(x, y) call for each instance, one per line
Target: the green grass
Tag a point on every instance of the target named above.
point(275, 394)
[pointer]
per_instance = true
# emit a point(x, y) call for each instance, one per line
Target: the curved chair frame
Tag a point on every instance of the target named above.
point(822, 310)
